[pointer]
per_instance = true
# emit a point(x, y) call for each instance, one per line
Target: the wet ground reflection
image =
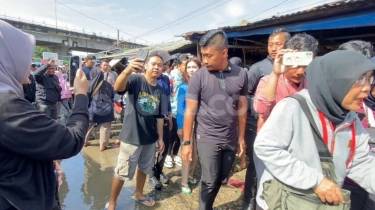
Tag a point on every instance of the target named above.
point(87, 181)
point(87, 184)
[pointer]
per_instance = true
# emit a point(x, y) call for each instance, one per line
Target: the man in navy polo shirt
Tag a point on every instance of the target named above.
point(216, 102)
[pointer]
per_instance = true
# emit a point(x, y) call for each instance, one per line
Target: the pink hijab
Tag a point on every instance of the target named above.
point(65, 92)
point(16, 48)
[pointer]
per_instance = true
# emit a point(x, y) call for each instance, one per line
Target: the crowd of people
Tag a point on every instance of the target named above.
point(300, 132)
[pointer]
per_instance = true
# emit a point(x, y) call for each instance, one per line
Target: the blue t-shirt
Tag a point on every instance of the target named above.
point(177, 80)
point(181, 104)
point(87, 71)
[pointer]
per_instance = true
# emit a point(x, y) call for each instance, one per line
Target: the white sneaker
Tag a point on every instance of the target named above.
point(177, 160)
point(168, 162)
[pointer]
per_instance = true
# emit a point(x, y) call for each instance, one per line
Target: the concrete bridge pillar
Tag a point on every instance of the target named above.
point(62, 51)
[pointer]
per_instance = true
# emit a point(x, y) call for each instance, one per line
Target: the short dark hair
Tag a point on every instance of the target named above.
point(90, 57)
point(33, 65)
point(277, 31)
point(105, 60)
point(365, 48)
point(302, 42)
point(214, 37)
point(153, 55)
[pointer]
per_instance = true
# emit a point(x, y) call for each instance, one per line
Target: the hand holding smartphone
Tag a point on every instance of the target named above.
point(142, 54)
point(297, 58)
point(75, 64)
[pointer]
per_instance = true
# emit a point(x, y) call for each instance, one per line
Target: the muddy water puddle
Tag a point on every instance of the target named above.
point(88, 177)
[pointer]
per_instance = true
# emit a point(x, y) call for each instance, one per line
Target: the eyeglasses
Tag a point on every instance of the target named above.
point(363, 79)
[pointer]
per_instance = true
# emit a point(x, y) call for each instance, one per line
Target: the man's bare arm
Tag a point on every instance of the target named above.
point(160, 126)
point(242, 114)
point(189, 117)
point(122, 80)
point(269, 90)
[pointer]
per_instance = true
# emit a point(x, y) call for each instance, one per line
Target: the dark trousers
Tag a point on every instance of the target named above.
point(161, 157)
point(358, 196)
point(174, 141)
point(250, 189)
point(216, 161)
point(49, 110)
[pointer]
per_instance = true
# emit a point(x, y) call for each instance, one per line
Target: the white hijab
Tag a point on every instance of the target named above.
point(16, 48)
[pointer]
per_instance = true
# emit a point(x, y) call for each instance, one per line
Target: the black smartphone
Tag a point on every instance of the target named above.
point(142, 54)
point(73, 67)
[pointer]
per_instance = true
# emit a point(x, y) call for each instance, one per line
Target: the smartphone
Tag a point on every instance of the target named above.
point(142, 54)
point(297, 58)
point(74, 66)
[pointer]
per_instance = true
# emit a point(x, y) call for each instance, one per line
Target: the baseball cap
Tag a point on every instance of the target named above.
point(165, 56)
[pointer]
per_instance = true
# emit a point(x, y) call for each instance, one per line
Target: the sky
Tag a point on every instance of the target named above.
point(148, 21)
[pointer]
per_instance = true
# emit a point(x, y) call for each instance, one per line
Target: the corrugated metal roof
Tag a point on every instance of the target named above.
point(169, 46)
point(324, 10)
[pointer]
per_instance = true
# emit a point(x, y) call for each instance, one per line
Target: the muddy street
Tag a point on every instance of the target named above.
point(87, 184)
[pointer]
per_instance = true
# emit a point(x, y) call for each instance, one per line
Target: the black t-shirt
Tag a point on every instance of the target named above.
point(144, 104)
point(217, 94)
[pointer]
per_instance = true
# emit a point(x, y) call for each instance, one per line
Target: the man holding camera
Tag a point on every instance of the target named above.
point(283, 80)
point(142, 126)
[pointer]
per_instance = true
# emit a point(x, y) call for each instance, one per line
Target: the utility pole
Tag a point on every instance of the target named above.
point(56, 15)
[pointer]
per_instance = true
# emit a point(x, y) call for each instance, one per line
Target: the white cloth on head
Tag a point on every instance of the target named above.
point(16, 48)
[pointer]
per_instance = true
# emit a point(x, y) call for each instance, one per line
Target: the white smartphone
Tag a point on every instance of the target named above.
point(297, 58)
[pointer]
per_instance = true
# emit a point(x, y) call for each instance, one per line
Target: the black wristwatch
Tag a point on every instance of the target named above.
point(185, 142)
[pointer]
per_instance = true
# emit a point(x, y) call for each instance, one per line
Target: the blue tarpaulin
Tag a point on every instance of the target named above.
point(362, 19)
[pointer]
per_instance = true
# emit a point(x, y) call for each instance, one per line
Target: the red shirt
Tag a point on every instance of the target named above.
point(264, 106)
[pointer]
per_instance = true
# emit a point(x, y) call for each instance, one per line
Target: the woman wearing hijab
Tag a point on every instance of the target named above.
point(29, 140)
point(285, 148)
point(101, 94)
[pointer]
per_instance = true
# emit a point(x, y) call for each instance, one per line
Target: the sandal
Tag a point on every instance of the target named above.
point(147, 201)
point(192, 181)
point(116, 144)
point(86, 144)
point(237, 168)
point(105, 148)
point(185, 190)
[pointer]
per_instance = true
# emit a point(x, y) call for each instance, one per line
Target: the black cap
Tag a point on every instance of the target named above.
point(90, 57)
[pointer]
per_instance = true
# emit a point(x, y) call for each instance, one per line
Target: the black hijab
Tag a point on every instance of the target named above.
point(96, 75)
point(330, 77)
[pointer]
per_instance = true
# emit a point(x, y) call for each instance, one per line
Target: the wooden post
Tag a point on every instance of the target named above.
point(244, 57)
point(198, 51)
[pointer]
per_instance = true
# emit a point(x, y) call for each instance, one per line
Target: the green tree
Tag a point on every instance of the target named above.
point(38, 52)
point(126, 48)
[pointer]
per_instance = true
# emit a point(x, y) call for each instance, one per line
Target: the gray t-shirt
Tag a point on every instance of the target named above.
point(217, 94)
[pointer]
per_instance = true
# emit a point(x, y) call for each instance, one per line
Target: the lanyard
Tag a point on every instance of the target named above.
point(351, 143)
